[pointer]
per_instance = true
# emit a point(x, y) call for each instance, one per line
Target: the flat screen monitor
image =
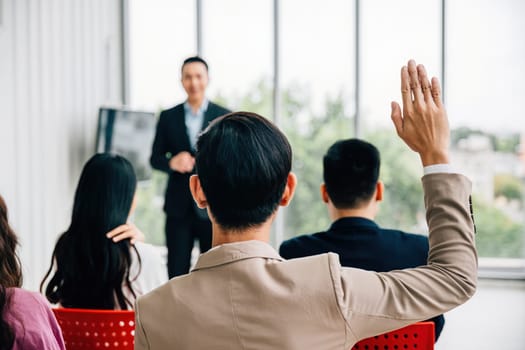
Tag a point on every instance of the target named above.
point(127, 133)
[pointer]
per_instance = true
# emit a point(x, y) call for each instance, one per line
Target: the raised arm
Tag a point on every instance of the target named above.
point(374, 303)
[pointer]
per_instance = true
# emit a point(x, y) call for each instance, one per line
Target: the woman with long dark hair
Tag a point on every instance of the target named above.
point(26, 322)
point(90, 270)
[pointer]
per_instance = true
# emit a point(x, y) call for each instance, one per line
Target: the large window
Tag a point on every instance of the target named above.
point(237, 42)
point(317, 97)
point(484, 89)
point(391, 33)
point(162, 34)
point(476, 47)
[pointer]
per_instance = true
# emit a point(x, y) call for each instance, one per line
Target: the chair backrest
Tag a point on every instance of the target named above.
point(96, 329)
point(418, 336)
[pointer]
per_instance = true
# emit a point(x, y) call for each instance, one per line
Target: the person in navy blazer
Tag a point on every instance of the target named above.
point(173, 152)
point(352, 192)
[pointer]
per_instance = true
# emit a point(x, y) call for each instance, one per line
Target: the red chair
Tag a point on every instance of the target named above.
point(96, 329)
point(418, 336)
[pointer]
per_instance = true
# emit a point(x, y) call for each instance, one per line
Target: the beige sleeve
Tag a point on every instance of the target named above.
point(374, 303)
point(141, 342)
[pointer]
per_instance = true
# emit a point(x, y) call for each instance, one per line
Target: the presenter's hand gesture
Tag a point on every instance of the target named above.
point(422, 123)
point(183, 162)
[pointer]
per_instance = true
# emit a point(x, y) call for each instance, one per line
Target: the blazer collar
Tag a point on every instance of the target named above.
point(231, 252)
point(352, 221)
point(209, 114)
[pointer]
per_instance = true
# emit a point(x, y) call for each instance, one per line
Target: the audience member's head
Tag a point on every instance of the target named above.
point(91, 269)
point(351, 173)
point(10, 272)
point(243, 163)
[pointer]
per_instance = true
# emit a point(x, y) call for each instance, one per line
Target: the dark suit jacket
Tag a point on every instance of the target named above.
point(171, 138)
point(361, 243)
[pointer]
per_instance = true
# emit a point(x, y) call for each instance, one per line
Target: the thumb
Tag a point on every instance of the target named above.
point(397, 119)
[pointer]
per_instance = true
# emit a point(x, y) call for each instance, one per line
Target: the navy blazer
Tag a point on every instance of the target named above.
point(170, 139)
point(361, 243)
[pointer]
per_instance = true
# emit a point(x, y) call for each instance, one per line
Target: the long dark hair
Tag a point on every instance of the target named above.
point(10, 273)
point(90, 268)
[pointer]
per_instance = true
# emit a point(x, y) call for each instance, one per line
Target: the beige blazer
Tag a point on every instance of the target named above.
point(245, 296)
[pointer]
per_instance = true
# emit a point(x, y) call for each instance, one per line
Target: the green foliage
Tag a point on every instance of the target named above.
point(149, 216)
point(401, 173)
point(500, 143)
point(497, 234)
point(310, 135)
point(506, 144)
point(508, 186)
point(463, 133)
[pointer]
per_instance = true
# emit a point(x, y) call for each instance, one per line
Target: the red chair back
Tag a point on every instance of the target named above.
point(418, 336)
point(96, 329)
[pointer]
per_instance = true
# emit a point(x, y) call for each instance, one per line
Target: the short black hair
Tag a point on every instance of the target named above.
point(351, 171)
point(194, 59)
point(243, 161)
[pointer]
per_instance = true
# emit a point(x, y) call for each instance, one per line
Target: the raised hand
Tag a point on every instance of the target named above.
point(423, 124)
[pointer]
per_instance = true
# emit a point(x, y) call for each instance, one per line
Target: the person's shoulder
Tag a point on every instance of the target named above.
point(294, 246)
point(25, 301)
point(312, 264)
point(408, 240)
point(23, 296)
point(175, 110)
point(299, 239)
point(158, 296)
point(218, 109)
point(416, 237)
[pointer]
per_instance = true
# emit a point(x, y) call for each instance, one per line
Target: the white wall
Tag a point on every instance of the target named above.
point(59, 61)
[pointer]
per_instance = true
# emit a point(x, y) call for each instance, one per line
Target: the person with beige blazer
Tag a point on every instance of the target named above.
point(243, 295)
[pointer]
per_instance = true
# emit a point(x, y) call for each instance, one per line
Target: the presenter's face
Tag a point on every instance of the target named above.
point(195, 80)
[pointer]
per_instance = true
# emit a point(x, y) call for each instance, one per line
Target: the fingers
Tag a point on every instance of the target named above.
point(123, 232)
point(117, 231)
point(183, 162)
point(424, 82)
point(436, 91)
point(187, 161)
point(415, 86)
point(405, 89)
point(397, 119)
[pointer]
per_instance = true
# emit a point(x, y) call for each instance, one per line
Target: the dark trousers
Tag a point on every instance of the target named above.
point(180, 235)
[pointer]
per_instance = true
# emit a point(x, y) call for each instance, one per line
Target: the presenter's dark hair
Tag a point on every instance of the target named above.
point(351, 171)
point(243, 161)
point(193, 60)
point(90, 269)
point(10, 274)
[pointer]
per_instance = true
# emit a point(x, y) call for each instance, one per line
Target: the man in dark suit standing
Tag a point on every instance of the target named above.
point(174, 153)
point(352, 192)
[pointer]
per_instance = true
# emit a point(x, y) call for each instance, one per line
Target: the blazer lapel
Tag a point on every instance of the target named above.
point(208, 116)
point(182, 126)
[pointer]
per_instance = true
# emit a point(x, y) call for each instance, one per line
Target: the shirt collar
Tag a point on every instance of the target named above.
point(231, 252)
point(202, 109)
